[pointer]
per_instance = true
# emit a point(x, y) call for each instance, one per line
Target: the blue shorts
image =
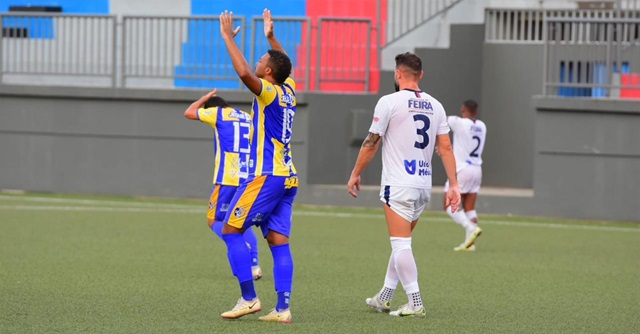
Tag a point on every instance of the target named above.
point(265, 201)
point(219, 202)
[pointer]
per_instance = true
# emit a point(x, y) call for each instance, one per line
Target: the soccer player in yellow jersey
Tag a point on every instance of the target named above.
point(266, 197)
point(232, 132)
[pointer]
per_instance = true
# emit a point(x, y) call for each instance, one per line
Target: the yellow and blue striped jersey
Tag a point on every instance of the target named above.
point(273, 111)
point(232, 133)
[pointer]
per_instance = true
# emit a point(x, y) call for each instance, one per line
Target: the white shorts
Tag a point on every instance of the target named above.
point(406, 202)
point(469, 180)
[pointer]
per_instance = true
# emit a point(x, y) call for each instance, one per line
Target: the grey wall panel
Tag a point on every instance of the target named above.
point(335, 136)
point(511, 74)
point(587, 161)
point(590, 133)
point(591, 187)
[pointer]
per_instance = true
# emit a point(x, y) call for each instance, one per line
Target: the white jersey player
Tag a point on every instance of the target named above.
point(409, 123)
point(469, 136)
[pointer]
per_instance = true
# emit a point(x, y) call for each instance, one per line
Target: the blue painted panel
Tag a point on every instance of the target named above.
point(205, 54)
point(249, 8)
point(68, 6)
point(37, 27)
point(42, 28)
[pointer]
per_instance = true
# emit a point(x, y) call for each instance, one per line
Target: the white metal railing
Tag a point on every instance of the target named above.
point(331, 54)
point(404, 16)
point(57, 45)
point(592, 57)
point(527, 25)
point(628, 4)
point(183, 48)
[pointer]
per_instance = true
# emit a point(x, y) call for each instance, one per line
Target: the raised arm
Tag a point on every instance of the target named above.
point(367, 152)
point(268, 31)
point(445, 150)
point(192, 111)
point(237, 58)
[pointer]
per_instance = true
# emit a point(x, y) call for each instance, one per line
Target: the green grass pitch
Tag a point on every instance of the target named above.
point(71, 265)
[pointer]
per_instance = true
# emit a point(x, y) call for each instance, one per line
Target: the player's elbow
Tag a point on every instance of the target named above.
point(445, 148)
point(190, 114)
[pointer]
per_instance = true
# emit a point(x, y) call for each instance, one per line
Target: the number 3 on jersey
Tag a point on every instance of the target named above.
point(422, 131)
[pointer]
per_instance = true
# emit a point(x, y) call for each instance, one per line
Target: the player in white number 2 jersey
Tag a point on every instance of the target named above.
point(469, 136)
point(410, 123)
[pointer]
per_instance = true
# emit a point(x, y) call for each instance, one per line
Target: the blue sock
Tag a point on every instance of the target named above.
point(217, 228)
point(252, 241)
point(249, 238)
point(282, 274)
point(240, 261)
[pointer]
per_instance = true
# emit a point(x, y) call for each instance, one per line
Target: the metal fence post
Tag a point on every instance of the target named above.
point(1, 44)
point(252, 57)
point(243, 28)
point(114, 52)
point(367, 69)
point(307, 74)
point(123, 52)
point(318, 52)
point(608, 59)
point(545, 60)
point(378, 32)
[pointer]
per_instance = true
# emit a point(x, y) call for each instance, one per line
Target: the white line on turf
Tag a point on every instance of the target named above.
point(92, 201)
point(193, 210)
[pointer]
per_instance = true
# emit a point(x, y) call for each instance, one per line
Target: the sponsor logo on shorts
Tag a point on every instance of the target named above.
point(239, 212)
point(224, 208)
point(258, 218)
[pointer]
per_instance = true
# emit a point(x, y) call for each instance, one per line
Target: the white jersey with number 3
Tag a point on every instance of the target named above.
point(408, 122)
point(468, 141)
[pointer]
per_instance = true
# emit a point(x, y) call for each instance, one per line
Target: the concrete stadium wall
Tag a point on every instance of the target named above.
point(126, 142)
point(587, 158)
point(137, 143)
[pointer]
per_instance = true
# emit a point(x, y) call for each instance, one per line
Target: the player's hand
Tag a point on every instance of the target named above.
point(268, 23)
point(353, 185)
point(226, 25)
point(452, 198)
point(211, 94)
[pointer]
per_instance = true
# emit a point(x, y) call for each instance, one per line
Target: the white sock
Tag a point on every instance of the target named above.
point(461, 219)
point(471, 215)
point(406, 268)
point(390, 281)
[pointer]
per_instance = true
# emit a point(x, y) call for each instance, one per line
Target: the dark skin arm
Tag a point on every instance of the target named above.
point(192, 111)
point(268, 32)
point(237, 58)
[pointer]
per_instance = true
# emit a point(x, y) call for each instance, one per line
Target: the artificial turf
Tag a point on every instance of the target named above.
point(139, 266)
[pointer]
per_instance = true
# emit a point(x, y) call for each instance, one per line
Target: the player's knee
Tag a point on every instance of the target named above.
point(399, 244)
point(210, 222)
point(276, 239)
point(472, 215)
point(228, 229)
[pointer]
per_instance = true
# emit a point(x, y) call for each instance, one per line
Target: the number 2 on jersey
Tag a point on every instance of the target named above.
point(422, 131)
point(474, 153)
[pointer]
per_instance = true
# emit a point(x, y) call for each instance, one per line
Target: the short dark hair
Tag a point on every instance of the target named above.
point(280, 64)
point(216, 101)
point(471, 105)
point(410, 61)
